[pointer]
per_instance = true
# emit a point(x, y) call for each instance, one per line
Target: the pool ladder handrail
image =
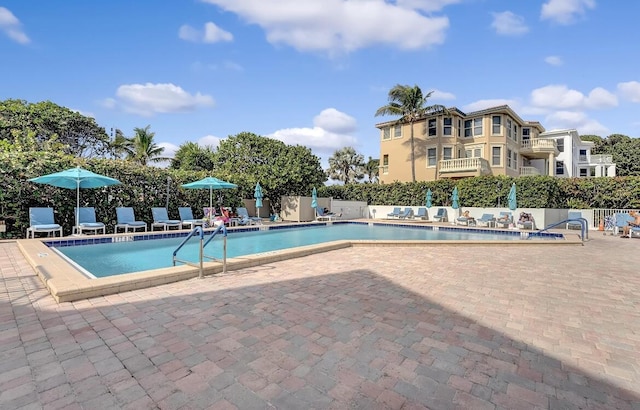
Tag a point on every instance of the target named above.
point(200, 232)
point(584, 230)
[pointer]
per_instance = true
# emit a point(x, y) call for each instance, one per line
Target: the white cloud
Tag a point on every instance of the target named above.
point(428, 6)
point(577, 120)
point(333, 120)
point(209, 141)
point(630, 91)
point(341, 26)
point(332, 131)
point(149, 99)
point(211, 34)
point(12, 26)
point(565, 11)
point(554, 60)
point(484, 104)
point(441, 95)
point(561, 97)
point(169, 149)
point(509, 24)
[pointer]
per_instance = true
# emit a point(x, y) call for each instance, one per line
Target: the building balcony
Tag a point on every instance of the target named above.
point(539, 148)
point(529, 171)
point(583, 158)
point(601, 159)
point(463, 167)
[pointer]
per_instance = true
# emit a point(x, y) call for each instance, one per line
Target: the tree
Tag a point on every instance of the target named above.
point(75, 134)
point(281, 169)
point(625, 152)
point(346, 165)
point(410, 104)
point(141, 148)
point(191, 156)
point(372, 169)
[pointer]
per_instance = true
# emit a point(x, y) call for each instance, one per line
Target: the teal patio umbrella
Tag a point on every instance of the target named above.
point(257, 194)
point(513, 203)
point(210, 183)
point(76, 178)
point(314, 198)
point(428, 198)
point(455, 199)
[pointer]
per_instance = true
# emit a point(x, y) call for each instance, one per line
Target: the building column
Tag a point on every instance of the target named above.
point(552, 165)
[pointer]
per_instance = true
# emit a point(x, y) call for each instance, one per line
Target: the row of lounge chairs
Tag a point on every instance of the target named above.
point(504, 220)
point(422, 214)
point(41, 220)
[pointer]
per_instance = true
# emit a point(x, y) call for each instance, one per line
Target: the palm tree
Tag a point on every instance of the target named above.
point(346, 165)
point(409, 103)
point(372, 169)
point(141, 148)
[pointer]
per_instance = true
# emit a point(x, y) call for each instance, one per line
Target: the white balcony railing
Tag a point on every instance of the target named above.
point(539, 143)
point(601, 159)
point(528, 171)
point(464, 165)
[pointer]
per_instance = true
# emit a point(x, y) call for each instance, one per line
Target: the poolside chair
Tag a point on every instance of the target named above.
point(87, 221)
point(161, 220)
point(127, 220)
point(422, 214)
point(574, 224)
point(186, 216)
point(526, 221)
point(621, 220)
point(41, 220)
point(441, 215)
point(504, 220)
point(395, 213)
point(243, 214)
point(408, 213)
point(486, 220)
point(466, 220)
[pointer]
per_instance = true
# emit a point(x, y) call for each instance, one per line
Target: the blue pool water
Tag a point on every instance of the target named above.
point(107, 259)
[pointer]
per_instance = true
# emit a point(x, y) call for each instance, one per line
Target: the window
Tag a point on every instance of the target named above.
point(431, 157)
point(447, 153)
point(468, 132)
point(386, 133)
point(397, 131)
point(509, 128)
point(385, 164)
point(447, 125)
point(459, 127)
point(583, 172)
point(559, 167)
point(508, 158)
point(432, 127)
point(496, 156)
point(473, 152)
point(514, 162)
point(477, 126)
point(496, 121)
point(526, 134)
point(583, 155)
point(560, 144)
point(515, 132)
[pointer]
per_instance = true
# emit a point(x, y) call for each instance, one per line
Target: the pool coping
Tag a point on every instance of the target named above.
point(66, 284)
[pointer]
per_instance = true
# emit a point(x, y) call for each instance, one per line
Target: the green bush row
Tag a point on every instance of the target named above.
point(489, 191)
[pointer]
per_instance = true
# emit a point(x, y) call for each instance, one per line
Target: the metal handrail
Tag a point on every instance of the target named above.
point(583, 227)
point(200, 232)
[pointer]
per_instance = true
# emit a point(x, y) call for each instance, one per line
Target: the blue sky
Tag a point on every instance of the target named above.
point(313, 72)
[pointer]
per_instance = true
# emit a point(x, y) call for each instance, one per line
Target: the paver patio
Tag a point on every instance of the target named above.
point(371, 328)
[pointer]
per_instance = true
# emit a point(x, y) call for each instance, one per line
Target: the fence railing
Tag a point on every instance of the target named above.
point(600, 214)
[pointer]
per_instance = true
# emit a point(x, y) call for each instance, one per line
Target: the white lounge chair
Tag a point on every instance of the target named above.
point(41, 221)
point(87, 221)
point(161, 220)
point(126, 220)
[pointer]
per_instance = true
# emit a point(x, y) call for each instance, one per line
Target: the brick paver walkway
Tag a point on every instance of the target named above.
point(534, 327)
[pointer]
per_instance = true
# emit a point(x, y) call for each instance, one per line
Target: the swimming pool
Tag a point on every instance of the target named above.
point(115, 258)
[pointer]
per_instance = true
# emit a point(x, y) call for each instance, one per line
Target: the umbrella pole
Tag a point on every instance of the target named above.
point(78, 206)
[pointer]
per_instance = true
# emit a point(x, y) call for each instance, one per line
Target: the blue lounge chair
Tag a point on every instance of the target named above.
point(621, 220)
point(408, 213)
point(395, 213)
point(504, 220)
point(87, 221)
point(422, 214)
point(161, 220)
point(126, 220)
point(486, 220)
point(41, 220)
point(441, 215)
point(186, 216)
point(574, 224)
point(245, 219)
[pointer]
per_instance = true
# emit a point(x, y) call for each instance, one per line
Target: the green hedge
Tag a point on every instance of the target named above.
point(142, 188)
point(532, 192)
